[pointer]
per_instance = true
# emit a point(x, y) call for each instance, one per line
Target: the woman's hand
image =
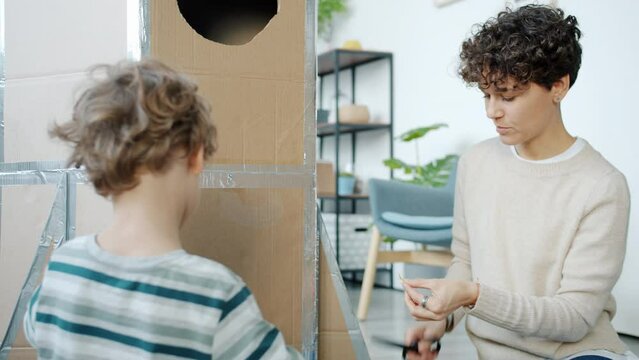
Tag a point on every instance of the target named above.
point(425, 336)
point(446, 297)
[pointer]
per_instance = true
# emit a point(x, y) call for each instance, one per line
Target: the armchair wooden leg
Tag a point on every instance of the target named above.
point(369, 275)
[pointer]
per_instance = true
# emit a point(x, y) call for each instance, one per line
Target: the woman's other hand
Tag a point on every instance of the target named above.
point(425, 336)
point(446, 296)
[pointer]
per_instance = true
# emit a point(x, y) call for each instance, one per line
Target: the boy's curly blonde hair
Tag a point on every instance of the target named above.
point(138, 116)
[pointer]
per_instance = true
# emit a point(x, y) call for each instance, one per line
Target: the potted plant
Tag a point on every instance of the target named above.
point(325, 11)
point(345, 183)
point(434, 173)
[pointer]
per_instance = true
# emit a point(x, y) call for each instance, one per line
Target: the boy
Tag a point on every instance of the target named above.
point(142, 133)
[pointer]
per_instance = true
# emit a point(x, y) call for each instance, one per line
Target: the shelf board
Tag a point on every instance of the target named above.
point(345, 197)
point(347, 59)
point(328, 129)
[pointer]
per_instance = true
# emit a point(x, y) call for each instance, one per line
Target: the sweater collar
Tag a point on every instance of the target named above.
point(545, 169)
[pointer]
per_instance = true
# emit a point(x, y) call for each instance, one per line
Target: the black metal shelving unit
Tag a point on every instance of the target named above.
point(333, 63)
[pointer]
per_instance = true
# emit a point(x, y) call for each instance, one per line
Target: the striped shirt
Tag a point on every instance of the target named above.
point(96, 305)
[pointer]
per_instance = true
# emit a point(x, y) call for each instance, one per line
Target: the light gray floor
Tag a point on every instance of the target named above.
point(388, 318)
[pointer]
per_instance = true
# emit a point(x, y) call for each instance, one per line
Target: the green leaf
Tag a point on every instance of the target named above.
point(413, 134)
point(436, 173)
point(389, 240)
point(394, 163)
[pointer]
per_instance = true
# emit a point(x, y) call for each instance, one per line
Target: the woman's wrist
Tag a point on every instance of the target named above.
point(473, 294)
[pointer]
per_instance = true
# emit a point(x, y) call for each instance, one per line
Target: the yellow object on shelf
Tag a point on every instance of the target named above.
point(352, 45)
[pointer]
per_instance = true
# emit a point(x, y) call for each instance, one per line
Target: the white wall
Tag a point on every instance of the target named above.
point(426, 40)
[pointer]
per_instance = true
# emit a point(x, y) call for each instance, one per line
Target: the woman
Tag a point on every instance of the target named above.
point(541, 217)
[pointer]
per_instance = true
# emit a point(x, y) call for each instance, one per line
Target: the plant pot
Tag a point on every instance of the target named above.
point(345, 185)
point(322, 116)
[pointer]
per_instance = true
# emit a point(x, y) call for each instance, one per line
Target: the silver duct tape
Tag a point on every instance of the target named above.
point(145, 28)
point(71, 205)
point(310, 277)
point(55, 230)
point(310, 270)
point(3, 77)
point(54, 234)
point(352, 324)
point(2, 86)
point(310, 76)
point(138, 39)
point(38, 173)
point(259, 169)
point(208, 179)
point(213, 176)
point(30, 178)
point(53, 165)
point(231, 180)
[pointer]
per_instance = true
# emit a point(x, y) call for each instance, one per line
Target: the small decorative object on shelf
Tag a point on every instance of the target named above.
point(354, 114)
point(352, 45)
point(345, 184)
point(322, 116)
point(325, 179)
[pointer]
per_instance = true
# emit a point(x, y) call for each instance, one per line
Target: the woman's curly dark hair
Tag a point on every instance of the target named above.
point(533, 43)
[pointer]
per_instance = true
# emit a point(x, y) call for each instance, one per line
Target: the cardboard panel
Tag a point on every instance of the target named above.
point(43, 37)
point(23, 353)
point(31, 106)
point(334, 339)
point(25, 211)
point(325, 178)
point(257, 233)
point(257, 96)
point(256, 90)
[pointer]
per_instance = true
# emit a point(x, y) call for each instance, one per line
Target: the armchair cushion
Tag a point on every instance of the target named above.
point(418, 222)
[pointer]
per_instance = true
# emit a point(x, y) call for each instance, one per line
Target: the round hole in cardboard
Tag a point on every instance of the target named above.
point(229, 22)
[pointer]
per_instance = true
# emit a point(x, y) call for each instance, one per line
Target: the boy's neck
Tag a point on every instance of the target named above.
point(146, 221)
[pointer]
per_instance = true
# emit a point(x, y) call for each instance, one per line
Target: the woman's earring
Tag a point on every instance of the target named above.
point(557, 100)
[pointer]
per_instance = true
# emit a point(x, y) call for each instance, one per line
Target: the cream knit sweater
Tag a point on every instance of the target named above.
point(546, 243)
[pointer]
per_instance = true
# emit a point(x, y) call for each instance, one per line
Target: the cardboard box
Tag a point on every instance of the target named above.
point(325, 178)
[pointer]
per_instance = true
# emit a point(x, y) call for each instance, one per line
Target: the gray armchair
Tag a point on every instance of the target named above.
point(413, 213)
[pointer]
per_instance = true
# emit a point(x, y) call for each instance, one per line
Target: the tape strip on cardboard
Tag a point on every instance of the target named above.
point(3, 79)
point(310, 275)
point(212, 177)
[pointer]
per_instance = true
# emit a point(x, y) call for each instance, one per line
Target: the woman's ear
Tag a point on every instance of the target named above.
point(196, 161)
point(560, 88)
